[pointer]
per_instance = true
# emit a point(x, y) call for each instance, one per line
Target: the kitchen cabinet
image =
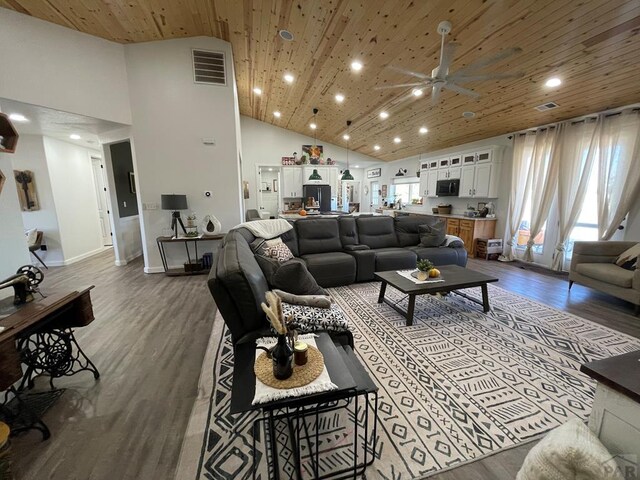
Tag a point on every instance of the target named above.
point(467, 175)
point(428, 180)
point(480, 180)
point(291, 182)
point(449, 168)
point(470, 229)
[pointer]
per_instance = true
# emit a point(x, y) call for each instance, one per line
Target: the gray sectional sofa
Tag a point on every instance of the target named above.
point(336, 251)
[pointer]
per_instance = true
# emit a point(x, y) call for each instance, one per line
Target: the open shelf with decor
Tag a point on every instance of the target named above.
point(8, 135)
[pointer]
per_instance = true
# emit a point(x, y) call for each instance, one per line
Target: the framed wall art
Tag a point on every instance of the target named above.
point(26, 190)
point(374, 172)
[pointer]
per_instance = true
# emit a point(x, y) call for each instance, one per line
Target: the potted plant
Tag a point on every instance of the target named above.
point(191, 220)
point(424, 266)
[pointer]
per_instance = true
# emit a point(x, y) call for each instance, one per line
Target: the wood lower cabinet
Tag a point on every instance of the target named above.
point(470, 229)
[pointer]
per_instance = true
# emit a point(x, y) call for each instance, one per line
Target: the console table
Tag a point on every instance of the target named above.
point(173, 272)
point(615, 417)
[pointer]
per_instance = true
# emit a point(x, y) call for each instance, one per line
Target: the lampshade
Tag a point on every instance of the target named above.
point(173, 202)
point(315, 175)
point(401, 172)
point(346, 176)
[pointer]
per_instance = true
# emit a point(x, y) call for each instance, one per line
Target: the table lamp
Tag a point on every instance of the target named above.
point(175, 203)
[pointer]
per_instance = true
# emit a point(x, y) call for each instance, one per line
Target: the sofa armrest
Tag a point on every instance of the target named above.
point(597, 252)
point(354, 248)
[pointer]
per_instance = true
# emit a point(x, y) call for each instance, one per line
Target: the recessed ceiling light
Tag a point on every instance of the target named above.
point(356, 66)
point(397, 140)
point(313, 126)
point(18, 117)
point(384, 115)
point(423, 130)
point(257, 91)
point(376, 147)
point(75, 136)
point(356, 166)
point(339, 98)
point(286, 35)
point(271, 169)
point(468, 114)
point(288, 78)
point(416, 92)
point(277, 114)
point(553, 82)
point(346, 137)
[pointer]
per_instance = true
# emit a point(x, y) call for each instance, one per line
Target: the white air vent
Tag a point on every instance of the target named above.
point(209, 67)
point(547, 106)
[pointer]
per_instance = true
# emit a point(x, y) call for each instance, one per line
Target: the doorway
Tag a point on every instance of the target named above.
point(104, 208)
point(269, 202)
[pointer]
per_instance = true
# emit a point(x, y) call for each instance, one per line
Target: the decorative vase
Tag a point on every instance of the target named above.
point(210, 226)
point(282, 356)
point(422, 275)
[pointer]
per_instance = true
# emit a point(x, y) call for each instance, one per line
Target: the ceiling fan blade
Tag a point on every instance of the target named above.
point(422, 76)
point(464, 91)
point(400, 85)
point(484, 62)
point(435, 92)
point(479, 78)
point(447, 57)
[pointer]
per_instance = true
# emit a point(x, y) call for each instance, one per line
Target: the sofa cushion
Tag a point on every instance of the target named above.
point(607, 273)
point(394, 259)
point(377, 232)
point(365, 264)
point(629, 256)
point(433, 235)
point(291, 276)
point(313, 319)
point(348, 231)
point(318, 301)
point(407, 228)
point(331, 269)
point(318, 235)
point(441, 255)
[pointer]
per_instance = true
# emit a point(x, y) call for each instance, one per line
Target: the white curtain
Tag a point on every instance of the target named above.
point(520, 188)
point(618, 139)
point(545, 162)
point(576, 151)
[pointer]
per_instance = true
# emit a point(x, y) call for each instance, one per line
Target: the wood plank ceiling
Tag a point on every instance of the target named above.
point(593, 46)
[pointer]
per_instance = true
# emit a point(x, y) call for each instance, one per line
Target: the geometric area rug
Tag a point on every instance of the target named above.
point(457, 386)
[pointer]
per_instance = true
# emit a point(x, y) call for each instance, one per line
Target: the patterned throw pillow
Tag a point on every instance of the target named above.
point(312, 319)
point(280, 252)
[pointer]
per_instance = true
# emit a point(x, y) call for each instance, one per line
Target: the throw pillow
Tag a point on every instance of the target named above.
point(453, 242)
point(280, 252)
point(569, 451)
point(258, 246)
point(318, 301)
point(291, 276)
point(631, 254)
point(32, 236)
point(311, 319)
point(432, 235)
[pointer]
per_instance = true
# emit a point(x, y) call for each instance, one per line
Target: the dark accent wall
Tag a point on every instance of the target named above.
point(122, 161)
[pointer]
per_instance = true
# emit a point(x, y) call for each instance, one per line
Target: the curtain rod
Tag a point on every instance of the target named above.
point(634, 107)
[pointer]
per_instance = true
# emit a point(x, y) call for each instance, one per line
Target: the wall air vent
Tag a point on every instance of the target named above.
point(209, 67)
point(547, 106)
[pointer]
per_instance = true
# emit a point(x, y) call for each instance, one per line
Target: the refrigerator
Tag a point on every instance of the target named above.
point(322, 194)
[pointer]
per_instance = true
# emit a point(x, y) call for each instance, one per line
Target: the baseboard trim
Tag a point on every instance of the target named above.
point(153, 270)
point(72, 260)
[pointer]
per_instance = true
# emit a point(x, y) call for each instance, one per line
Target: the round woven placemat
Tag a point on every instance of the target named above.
point(302, 374)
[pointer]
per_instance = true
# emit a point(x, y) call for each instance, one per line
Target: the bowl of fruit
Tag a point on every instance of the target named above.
point(425, 270)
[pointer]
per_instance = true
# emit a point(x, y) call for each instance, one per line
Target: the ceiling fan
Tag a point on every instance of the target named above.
point(440, 77)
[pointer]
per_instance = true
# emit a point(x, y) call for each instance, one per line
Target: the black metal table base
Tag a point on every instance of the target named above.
point(303, 423)
point(55, 353)
point(24, 411)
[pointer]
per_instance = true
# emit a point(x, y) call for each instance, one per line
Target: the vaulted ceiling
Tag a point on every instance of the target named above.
point(593, 46)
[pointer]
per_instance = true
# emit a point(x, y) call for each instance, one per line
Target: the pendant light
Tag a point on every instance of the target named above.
point(346, 176)
point(315, 175)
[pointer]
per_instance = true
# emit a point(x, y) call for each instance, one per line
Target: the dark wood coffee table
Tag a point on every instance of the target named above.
point(455, 278)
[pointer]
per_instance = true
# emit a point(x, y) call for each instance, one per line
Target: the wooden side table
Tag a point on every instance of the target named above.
point(173, 272)
point(615, 417)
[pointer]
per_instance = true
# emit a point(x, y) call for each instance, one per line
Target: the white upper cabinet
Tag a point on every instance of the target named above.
point(467, 175)
point(291, 182)
point(480, 173)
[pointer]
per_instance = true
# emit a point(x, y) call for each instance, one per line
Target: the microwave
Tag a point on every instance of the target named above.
point(448, 188)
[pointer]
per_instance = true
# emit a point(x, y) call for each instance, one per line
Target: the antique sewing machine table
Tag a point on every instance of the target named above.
point(40, 335)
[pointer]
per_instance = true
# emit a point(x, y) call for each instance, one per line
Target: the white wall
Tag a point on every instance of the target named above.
point(632, 231)
point(265, 144)
point(74, 191)
point(459, 205)
point(171, 116)
point(30, 155)
point(13, 244)
point(52, 66)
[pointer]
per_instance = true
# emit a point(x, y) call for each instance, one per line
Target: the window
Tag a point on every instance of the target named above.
point(407, 192)
point(375, 193)
point(524, 232)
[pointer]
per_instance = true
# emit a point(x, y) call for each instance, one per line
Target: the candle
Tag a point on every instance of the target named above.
point(300, 350)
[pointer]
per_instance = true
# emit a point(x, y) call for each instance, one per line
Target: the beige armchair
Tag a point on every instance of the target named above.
point(593, 265)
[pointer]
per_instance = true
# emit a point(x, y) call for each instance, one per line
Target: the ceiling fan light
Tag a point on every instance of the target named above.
point(417, 92)
point(553, 82)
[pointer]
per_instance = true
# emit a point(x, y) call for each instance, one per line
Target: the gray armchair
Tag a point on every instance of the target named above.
point(593, 265)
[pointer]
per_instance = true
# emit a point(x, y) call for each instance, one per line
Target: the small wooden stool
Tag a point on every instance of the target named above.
point(5, 453)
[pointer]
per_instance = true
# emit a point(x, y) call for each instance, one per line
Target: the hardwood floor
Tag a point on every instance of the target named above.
point(148, 341)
